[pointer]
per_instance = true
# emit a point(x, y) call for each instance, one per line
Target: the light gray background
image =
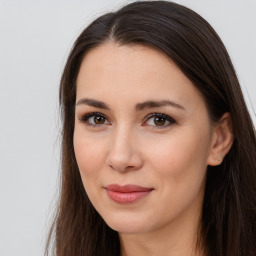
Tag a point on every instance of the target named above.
point(35, 38)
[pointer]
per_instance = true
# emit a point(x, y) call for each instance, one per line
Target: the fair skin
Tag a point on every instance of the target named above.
point(129, 140)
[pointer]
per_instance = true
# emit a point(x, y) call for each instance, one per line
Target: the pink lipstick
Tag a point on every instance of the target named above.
point(127, 194)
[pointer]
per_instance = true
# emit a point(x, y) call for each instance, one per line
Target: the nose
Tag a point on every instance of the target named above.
point(124, 154)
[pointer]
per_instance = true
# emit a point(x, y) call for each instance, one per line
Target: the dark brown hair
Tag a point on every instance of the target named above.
point(228, 219)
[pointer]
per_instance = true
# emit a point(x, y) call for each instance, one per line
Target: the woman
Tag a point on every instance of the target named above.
point(158, 152)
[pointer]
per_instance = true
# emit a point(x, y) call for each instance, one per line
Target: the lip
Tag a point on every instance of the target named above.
point(127, 194)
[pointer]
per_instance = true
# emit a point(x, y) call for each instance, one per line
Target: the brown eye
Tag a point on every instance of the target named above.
point(159, 121)
point(94, 119)
point(99, 119)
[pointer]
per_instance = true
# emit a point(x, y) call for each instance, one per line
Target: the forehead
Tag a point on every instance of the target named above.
point(111, 71)
point(110, 60)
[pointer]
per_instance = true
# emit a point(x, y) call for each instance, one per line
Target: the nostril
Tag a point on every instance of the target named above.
point(123, 155)
point(133, 163)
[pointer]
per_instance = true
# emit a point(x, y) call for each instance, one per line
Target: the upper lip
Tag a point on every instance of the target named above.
point(127, 188)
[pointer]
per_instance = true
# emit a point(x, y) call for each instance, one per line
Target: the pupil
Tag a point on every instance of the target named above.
point(159, 121)
point(99, 120)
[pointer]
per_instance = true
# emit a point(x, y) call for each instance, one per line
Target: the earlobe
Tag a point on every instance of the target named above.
point(222, 140)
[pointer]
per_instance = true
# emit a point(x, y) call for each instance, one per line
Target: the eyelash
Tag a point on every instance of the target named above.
point(163, 116)
point(166, 118)
point(86, 117)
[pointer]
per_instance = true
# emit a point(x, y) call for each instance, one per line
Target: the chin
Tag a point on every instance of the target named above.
point(126, 227)
point(128, 224)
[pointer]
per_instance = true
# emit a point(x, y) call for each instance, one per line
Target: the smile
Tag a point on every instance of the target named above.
point(127, 194)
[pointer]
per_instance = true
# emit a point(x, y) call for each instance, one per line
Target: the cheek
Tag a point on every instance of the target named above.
point(89, 154)
point(181, 158)
point(179, 165)
point(90, 159)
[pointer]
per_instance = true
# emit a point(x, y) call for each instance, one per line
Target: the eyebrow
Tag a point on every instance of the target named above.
point(157, 104)
point(93, 103)
point(138, 107)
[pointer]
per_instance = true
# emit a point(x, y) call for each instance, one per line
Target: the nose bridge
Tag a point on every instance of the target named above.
point(123, 154)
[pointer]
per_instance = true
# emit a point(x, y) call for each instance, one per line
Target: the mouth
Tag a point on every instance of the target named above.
point(127, 194)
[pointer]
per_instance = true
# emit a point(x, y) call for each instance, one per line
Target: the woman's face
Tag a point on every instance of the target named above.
point(142, 138)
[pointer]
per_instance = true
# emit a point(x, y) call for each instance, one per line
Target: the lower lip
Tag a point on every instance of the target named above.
point(126, 198)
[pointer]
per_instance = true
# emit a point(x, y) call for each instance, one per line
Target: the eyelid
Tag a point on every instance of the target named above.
point(86, 117)
point(167, 117)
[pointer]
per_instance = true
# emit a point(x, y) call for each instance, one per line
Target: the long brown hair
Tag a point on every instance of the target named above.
point(228, 219)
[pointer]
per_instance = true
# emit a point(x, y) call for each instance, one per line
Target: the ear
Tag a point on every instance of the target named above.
point(222, 140)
